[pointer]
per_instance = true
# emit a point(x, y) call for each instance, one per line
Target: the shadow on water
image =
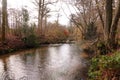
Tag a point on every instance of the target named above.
point(54, 62)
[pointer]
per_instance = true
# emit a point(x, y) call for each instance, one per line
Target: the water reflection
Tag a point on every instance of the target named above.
point(61, 62)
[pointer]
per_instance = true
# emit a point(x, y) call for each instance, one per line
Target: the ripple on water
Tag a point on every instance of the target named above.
point(58, 62)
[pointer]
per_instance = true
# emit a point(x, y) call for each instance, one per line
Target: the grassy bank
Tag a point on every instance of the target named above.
point(104, 66)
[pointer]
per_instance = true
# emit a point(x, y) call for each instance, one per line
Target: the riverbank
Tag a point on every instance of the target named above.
point(103, 65)
point(18, 45)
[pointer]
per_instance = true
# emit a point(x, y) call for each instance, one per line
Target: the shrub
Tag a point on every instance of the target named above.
point(30, 39)
point(55, 34)
point(103, 67)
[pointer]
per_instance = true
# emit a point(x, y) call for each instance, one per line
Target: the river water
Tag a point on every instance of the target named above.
point(52, 62)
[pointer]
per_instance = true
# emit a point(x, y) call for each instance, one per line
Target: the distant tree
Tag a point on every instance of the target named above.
point(15, 17)
point(25, 19)
point(25, 15)
point(43, 10)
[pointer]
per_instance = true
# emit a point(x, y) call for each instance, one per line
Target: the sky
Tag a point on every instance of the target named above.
point(64, 12)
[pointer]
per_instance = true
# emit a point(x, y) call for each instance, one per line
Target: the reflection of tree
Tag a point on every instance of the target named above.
point(29, 56)
point(40, 62)
point(6, 75)
point(42, 56)
point(5, 64)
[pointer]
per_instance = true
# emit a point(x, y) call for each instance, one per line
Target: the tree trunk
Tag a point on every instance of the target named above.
point(115, 25)
point(39, 16)
point(0, 19)
point(42, 16)
point(4, 19)
point(108, 21)
point(101, 17)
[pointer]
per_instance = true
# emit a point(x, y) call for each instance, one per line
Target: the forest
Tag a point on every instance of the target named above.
point(95, 24)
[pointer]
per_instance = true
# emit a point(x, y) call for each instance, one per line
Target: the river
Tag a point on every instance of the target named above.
point(52, 62)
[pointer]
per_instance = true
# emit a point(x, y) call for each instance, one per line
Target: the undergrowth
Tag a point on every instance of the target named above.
point(105, 67)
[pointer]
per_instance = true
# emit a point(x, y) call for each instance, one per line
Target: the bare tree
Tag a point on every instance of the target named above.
point(85, 14)
point(43, 10)
point(15, 18)
point(105, 11)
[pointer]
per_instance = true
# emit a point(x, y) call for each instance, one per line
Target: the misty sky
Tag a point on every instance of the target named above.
point(61, 7)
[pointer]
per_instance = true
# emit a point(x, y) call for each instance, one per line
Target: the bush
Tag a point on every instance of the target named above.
point(30, 39)
point(103, 67)
point(55, 35)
